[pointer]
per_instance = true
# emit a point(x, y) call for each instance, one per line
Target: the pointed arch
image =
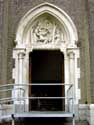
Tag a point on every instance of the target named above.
point(53, 10)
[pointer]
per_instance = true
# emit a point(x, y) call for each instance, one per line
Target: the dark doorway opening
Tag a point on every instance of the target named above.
point(46, 67)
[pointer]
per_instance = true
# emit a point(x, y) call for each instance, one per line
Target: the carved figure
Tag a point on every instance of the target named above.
point(43, 32)
point(46, 31)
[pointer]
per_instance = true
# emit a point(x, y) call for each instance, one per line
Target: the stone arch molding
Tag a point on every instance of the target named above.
point(69, 29)
point(46, 27)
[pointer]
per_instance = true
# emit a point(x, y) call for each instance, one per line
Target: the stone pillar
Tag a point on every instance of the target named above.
point(71, 67)
point(19, 91)
point(20, 67)
point(71, 93)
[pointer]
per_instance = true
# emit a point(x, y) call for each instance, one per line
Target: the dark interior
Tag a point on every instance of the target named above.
point(46, 121)
point(46, 67)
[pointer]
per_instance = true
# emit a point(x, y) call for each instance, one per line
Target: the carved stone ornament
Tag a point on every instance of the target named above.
point(46, 31)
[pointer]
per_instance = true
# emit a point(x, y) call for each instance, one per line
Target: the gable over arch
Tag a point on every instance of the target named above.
point(60, 15)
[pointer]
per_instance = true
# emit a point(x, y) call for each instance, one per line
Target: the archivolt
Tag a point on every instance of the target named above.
point(53, 10)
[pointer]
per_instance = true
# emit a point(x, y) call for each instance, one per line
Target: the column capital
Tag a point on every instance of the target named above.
point(71, 54)
point(21, 55)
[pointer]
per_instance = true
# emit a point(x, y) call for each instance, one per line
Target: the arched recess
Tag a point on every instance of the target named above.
point(53, 10)
point(58, 33)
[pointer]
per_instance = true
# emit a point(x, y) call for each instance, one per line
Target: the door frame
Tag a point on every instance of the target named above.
point(62, 73)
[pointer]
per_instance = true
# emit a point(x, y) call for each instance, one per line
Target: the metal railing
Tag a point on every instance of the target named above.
point(16, 99)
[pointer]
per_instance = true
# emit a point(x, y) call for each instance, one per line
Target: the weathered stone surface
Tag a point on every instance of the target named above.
point(91, 44)
point(1, 29)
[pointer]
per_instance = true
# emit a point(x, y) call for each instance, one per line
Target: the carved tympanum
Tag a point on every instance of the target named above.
point(46, 31)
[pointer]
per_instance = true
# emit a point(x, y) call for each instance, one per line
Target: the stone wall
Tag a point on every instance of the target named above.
point(91, 42)
point(1, 31)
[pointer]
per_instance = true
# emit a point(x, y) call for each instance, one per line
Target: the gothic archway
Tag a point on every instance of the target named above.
point(46, 27)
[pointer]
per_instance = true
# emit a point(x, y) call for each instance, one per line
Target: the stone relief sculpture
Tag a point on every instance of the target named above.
point(43, 32)
point(46, 31)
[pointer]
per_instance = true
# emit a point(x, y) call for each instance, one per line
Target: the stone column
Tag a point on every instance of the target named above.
point(20, 67)
point(19, 92)
point(71, 67)
point(71, 93)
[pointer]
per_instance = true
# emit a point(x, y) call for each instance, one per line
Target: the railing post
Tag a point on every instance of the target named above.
point(13, 119)
point(13, 122)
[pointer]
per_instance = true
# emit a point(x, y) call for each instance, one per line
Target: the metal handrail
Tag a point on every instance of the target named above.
point(30, 84)
point(21, 100)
